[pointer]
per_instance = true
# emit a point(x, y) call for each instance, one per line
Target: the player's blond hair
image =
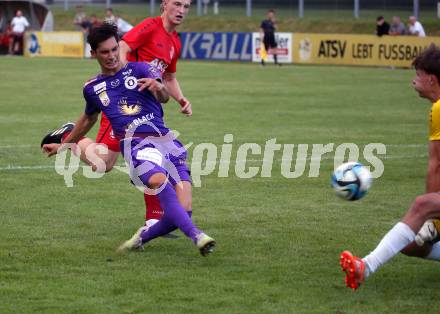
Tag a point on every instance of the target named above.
point(162, 5)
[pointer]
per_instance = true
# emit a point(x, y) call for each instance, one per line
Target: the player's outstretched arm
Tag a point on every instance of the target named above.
point(124, 49)
point(158, 89)
point(174, 90)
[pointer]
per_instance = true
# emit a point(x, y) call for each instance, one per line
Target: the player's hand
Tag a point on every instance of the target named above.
point(185, 106)
point(51, 149)
point(151, 84)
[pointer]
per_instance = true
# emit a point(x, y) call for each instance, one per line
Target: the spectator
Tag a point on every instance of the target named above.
point(205, 6)
point(397, 27)
point(5, 38)
point(95, 21)
point(19, 24)
point(415, 28)
point(382, 27)
point(110, 17)
point(80, 17)
point(87, 25)
point(123, 26)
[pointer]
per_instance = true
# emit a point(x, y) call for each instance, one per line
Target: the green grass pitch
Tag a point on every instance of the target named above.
point(278, 239)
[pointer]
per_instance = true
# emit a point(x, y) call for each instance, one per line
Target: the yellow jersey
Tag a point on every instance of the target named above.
point(434, 122)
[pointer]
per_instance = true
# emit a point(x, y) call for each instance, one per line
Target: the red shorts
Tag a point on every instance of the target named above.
point(106, 136)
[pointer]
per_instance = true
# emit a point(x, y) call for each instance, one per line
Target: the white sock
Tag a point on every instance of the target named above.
point(151, 222)
point(392, 243)
point(435, 252)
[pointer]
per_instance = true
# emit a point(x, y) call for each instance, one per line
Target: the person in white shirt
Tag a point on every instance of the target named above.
point(19, 24)
point(123, 25)
point(109, 16)
point(415, 28)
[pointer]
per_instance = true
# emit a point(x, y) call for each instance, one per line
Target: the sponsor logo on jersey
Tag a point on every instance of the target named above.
point(155, 72)
point(105, 100)
point(115, 83)
point(112, 134)
point(127, 73)
point(129, 109)
point(159, 64)
point(142, 120)
point(150, 154)
point(130, 82)
point(99, 88)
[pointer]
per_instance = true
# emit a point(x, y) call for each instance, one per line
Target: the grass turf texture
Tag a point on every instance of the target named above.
point(233, 19)
point(278, 240)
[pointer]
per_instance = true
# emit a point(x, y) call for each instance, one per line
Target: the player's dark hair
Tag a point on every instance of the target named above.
point(380, 18)
point(271, 11)
point(429, 61)
point(101, 33)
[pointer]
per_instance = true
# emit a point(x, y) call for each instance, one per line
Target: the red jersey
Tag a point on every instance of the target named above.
point(149, 41)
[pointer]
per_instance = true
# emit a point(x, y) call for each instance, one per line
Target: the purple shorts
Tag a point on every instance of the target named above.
point(147, 156)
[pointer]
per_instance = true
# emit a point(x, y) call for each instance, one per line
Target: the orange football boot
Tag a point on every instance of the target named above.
point(354, 268)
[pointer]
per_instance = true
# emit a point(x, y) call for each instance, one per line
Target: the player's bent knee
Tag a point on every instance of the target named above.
point(187, 205)
point(184, 193)
point(156, 180)
point(425, 205)
point(413, 250)
point(108, 168)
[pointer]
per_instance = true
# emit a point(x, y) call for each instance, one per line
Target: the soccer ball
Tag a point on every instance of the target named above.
point(351, 181)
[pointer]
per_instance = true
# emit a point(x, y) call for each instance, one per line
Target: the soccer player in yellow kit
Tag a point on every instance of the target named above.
point(417, 224)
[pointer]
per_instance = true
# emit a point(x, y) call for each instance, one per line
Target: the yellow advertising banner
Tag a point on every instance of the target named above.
point(372, 50)
point(54, 44)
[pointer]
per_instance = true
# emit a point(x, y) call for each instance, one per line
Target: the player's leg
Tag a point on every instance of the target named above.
point(428, 206)
point(155, 177)
point(11, 44)
point(275, 55)
point(273, 49)
point(174, 215)
point(184, 194)
point(415, 250)
point(400, 236)
point(153, 212)
point(183, 190)
point(97, 155)
point(105, 137)
point(266, 47)
point(101, 156)
point(423, 246)
point(15, 44)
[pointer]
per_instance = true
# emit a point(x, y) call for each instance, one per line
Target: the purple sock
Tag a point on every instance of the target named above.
point(174, 215)
point(164, 228)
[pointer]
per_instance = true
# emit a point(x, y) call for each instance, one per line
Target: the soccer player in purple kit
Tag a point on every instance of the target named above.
point(155, 158)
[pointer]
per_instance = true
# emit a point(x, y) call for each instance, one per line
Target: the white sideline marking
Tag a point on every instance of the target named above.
point(38, 146)
point(122, 167)
point(20, 146)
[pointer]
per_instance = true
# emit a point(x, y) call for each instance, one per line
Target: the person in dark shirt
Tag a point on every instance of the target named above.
point(267, 35)
point(382, 27)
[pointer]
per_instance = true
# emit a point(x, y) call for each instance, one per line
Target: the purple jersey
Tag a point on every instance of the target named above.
point(127, 109)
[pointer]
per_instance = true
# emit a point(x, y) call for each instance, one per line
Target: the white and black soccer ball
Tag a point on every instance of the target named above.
point(351, 181)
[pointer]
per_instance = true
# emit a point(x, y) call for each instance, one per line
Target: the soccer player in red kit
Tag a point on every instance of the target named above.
point(155, 41)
